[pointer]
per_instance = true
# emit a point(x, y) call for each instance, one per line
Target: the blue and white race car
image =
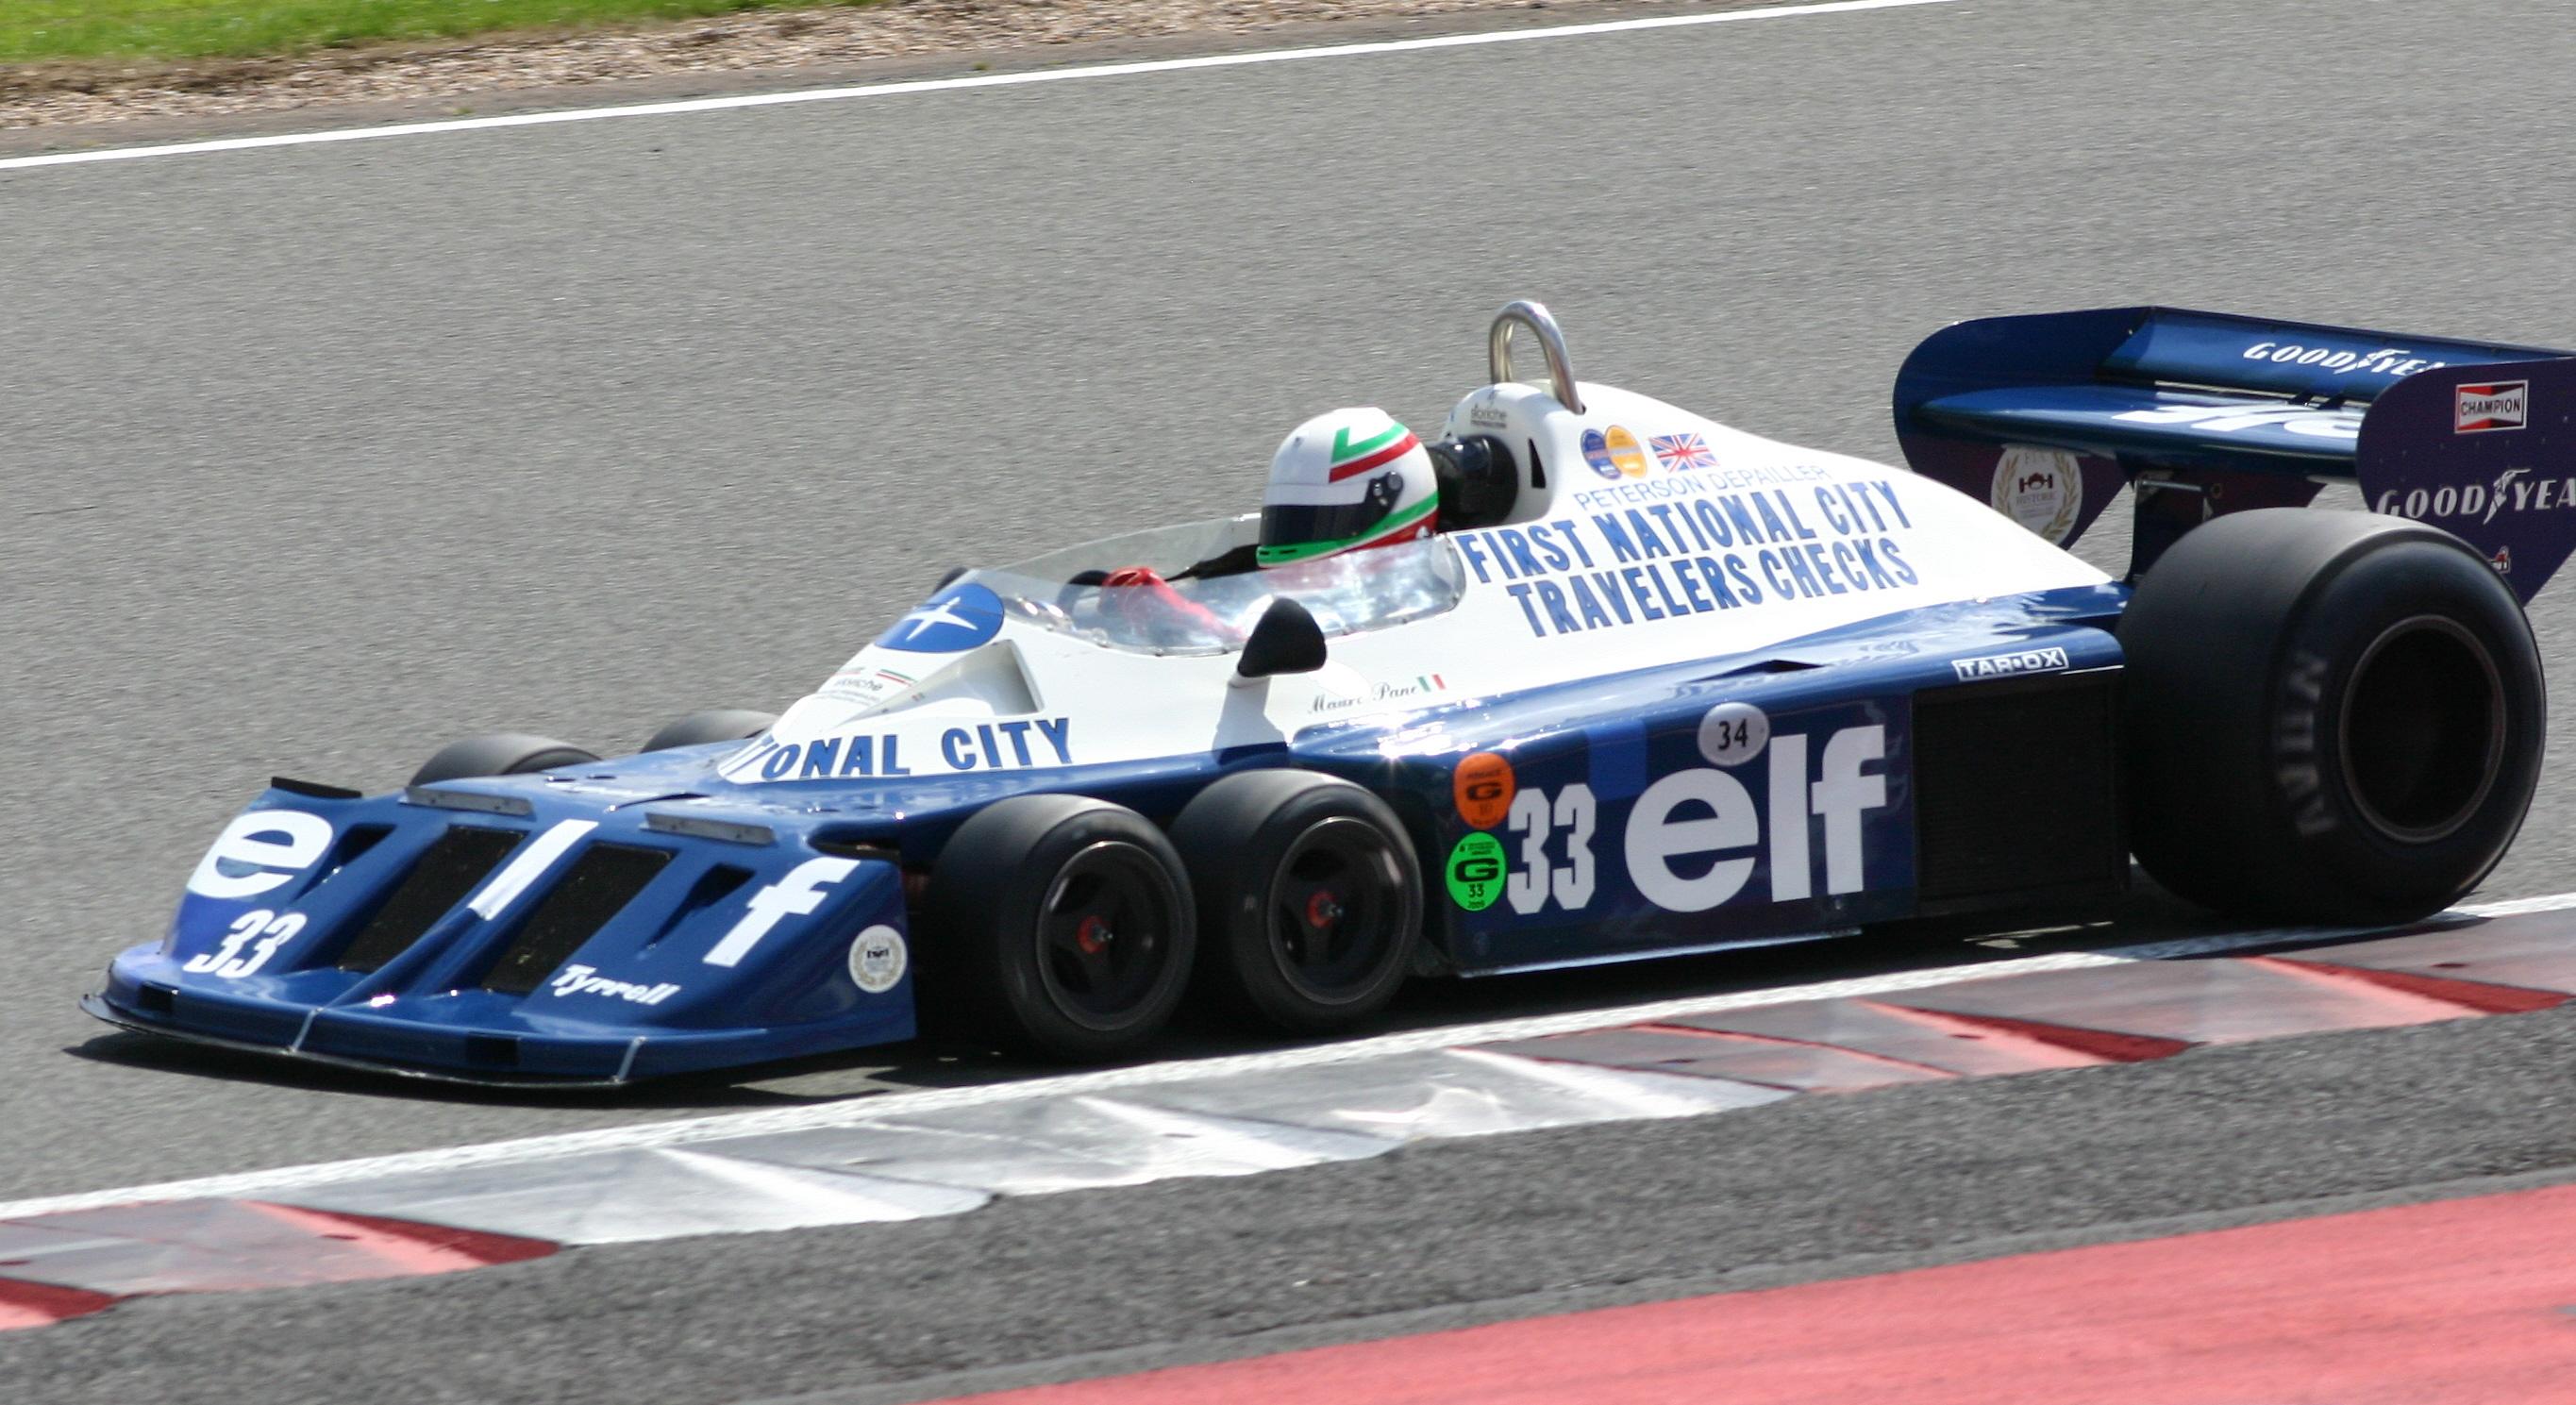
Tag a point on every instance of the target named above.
point(1658, 685)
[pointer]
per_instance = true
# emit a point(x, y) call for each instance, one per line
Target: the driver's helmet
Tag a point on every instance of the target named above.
point(1342, 481)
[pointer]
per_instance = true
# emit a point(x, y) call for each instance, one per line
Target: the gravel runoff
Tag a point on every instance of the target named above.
point(770, 42)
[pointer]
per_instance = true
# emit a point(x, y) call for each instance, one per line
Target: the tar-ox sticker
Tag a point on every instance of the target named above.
point(2048, 660)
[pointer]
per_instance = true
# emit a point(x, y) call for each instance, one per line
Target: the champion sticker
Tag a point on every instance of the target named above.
point(2482, 409)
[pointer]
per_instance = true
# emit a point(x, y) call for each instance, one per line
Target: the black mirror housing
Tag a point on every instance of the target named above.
point(1287, 640)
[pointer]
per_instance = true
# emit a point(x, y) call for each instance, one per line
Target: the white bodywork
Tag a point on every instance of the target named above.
point(1041, 691)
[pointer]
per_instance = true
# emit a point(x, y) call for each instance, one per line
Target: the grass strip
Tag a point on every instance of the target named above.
point(89, 31)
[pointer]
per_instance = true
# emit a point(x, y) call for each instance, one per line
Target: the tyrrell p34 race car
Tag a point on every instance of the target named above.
point(1655, 685)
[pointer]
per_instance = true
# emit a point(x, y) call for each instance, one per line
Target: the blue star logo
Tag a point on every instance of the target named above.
point(951, 622)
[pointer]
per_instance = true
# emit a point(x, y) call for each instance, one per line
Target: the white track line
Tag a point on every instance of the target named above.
point(937, 85)
point(253, 1184)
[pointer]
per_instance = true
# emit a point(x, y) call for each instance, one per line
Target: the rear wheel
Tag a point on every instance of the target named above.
point(498, 754)
point(2331, 716)
point(1310, 901)
point(1060, 925)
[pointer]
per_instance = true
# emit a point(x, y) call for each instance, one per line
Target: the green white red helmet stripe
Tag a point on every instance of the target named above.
point(1351, 460)
point(1395, 526)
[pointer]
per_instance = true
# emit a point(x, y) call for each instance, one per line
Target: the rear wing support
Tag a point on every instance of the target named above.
point(2045, 417)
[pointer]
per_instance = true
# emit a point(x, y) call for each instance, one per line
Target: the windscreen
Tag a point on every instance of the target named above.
point(1209, 594)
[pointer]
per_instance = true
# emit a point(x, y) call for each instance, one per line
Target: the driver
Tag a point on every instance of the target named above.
point(1343, 481)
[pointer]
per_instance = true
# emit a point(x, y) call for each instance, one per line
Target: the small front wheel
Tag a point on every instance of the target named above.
point(497, 754)
point(1310, 901)
point(1062, 925)
point(716, 724)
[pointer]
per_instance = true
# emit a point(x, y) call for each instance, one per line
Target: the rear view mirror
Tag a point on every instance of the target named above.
point(1287, 640)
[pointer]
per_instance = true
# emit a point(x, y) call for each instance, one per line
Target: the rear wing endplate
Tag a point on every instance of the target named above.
point(2046, 416)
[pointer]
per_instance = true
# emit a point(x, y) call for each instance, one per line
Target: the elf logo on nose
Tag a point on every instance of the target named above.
point(796, 895)
point(260, 851)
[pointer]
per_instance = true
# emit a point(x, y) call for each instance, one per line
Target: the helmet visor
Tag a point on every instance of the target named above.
point(1288, 526)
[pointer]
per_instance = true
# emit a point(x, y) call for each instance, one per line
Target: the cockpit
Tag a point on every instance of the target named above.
point(1200, 588)
point(1205, 599)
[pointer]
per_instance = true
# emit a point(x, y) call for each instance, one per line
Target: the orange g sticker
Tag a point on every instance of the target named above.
point(1484, 785)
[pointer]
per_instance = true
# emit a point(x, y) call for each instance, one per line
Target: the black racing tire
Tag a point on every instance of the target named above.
point(497, 754)
point(1310, 898)
point(716, 724)
point(1059, 925)
point(2329, 717)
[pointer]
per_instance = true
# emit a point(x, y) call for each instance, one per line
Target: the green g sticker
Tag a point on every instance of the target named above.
point(1476, 872)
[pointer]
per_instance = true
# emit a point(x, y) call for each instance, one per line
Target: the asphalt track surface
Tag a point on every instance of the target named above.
point(313, 458)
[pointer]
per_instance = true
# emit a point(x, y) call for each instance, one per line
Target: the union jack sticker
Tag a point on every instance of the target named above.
point(1681, 453)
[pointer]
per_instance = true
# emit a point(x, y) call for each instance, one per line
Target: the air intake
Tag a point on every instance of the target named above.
point(2017, 791)
point(603, 880)
point(439, 881)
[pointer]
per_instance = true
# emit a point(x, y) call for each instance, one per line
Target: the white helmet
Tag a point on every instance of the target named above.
point(1346, 480)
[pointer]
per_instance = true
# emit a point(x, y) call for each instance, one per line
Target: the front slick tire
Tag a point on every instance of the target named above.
point(2330, 717)
point(1310, 901)
point(1061, 926)
point(497, 754)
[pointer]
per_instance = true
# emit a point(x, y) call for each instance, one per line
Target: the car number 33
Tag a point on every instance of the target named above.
point(1535, 819)
point(261, 931)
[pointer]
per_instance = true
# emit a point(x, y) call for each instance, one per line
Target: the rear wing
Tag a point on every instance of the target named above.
point(2046, 416)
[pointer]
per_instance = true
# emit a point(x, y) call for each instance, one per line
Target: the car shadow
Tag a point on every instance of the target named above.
point(164, 1055)
point(2145, 914)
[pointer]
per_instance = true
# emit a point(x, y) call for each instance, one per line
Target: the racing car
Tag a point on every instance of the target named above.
point(1657, 685)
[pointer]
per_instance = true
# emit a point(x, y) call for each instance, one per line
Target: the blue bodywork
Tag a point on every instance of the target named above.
point(1563, 891)
point(642, 917)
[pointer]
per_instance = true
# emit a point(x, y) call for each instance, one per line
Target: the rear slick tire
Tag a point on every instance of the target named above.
point(2329, 717)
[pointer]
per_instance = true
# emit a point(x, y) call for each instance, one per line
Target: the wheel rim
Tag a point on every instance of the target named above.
point(1105, 934)
point(1335, 903)
point(2423, 729)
